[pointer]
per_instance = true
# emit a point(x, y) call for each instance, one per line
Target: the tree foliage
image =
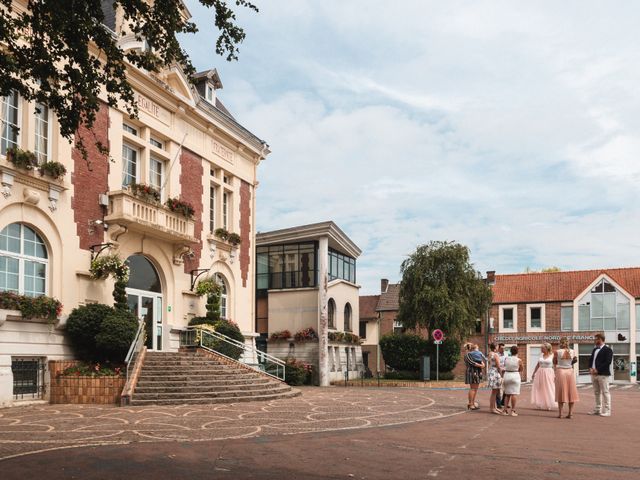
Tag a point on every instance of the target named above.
point(60, 54)
point(441, 289)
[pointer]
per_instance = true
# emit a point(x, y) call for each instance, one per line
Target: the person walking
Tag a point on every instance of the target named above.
point(502, 355)
point(600, 370)
point(543, 389)
point(494, 378)
point(512, 380)
point(566, 390)
point(473, 375)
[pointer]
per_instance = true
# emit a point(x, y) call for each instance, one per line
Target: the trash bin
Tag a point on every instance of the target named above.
point(425, 368)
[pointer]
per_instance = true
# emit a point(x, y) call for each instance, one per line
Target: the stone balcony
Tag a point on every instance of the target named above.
point(141, 216)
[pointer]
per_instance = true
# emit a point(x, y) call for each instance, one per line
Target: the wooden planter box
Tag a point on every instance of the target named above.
point(78, 389)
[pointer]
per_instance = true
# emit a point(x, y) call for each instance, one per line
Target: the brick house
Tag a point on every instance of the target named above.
point(532, 308)
point(185, 145)
point(529, 309)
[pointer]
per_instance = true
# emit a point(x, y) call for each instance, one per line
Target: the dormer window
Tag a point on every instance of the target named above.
point(210, 94)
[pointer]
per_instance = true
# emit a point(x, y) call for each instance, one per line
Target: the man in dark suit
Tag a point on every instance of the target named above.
point(600, 370)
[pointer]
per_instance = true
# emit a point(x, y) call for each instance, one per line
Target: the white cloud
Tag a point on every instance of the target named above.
point(510, 127)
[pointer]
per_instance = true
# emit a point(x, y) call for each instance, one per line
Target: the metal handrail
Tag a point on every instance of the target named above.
point(262, 357)
point(136, 346)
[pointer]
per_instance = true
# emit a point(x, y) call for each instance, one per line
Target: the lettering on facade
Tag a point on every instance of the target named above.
point(542, 338)
point(153, 109)
point(222, 151)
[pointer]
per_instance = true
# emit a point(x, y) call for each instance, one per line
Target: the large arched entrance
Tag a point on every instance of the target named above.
point(144, 296)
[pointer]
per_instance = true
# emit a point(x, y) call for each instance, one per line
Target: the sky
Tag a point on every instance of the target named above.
point(510, 127)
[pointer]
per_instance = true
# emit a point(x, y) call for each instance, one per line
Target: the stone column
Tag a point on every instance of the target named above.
point(323, 325)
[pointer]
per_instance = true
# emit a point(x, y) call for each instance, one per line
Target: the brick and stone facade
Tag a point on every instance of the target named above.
point(183, 146)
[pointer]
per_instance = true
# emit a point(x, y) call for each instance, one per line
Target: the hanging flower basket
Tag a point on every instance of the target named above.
point(208, 286)
point(106, 265)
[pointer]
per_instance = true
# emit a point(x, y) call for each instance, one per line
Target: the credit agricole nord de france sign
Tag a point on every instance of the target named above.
point(542, 338)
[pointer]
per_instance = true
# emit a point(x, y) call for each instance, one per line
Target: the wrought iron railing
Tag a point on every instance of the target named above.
point(135, 348)
point(228, 347)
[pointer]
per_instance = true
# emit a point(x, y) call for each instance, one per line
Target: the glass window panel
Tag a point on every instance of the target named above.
point(263, 263)
point(143, 274)
point(638, 322)
point(610, 323)
point(584, 315)
point(9, 274)
point(566, 316)
point(156, 171)
point(507, 318)
point(10, 238)
point(607, 287)
point(129, 165)
point(263, 281)
point(597, 305)
point(609, 304)
point(9, 129)
point(536, 317)
point(623, 316)
point(29, 286)
point(42, 133)
point(597, 323)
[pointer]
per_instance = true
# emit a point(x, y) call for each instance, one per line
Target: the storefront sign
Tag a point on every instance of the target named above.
point(543, 338)
point(222, 151)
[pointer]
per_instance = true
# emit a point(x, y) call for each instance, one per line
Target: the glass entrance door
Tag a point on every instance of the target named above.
point(147, 306)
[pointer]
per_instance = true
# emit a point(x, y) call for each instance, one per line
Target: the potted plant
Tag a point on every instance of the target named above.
point(145, 192)
point(234, 239)
point(31, 307)
point(22, 158)
point(179, 206)
point(221, 233)
point(53, 169)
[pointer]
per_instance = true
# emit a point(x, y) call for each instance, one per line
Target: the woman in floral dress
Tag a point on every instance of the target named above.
point(494, 379)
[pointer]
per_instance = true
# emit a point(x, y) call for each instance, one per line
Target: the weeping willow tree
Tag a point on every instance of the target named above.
point(441, 289)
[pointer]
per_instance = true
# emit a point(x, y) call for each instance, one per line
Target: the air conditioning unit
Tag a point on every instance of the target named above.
point(103, 199)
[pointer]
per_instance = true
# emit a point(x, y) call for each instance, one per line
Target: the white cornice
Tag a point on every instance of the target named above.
point(337, 238)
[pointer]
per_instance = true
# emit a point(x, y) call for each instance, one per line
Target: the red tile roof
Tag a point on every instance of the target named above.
point(559, 286)
point(368, 304)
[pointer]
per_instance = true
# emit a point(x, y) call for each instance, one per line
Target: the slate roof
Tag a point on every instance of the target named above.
point(368, 305)
point(559, 286)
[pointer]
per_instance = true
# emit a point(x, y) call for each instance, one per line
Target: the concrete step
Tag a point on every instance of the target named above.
point(177, 382)
point(188, 388)
point(159, 395)
point(194, 401)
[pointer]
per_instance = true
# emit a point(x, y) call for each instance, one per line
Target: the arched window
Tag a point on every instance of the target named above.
point(23, 261)
point(223, 296)
point(143, 274)
point(347, 317)
point(332, 313)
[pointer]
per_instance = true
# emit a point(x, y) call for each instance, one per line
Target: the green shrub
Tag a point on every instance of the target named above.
point(401, 375)
point(231, 330)
point(83, 324)
point(297, 372)
point(200, 321)
point(448, 357)
point(223, 327)
point(116, 333)
point(402, 351)
point(444, 376)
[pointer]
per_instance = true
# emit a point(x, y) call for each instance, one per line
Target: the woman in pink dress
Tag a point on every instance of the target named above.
point(543, 390)
point(566, 391)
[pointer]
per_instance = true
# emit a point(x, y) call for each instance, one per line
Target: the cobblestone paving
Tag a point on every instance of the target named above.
point(36, 428)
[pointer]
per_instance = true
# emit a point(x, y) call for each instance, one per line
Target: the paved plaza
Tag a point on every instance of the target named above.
point(325, 433)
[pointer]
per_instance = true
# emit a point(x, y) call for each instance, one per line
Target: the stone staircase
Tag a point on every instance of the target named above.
point(176, 378)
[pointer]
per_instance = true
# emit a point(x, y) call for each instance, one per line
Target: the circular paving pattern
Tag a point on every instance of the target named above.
point(43, 427)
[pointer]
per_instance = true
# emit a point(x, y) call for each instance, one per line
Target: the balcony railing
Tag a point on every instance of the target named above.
point(143, 216)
